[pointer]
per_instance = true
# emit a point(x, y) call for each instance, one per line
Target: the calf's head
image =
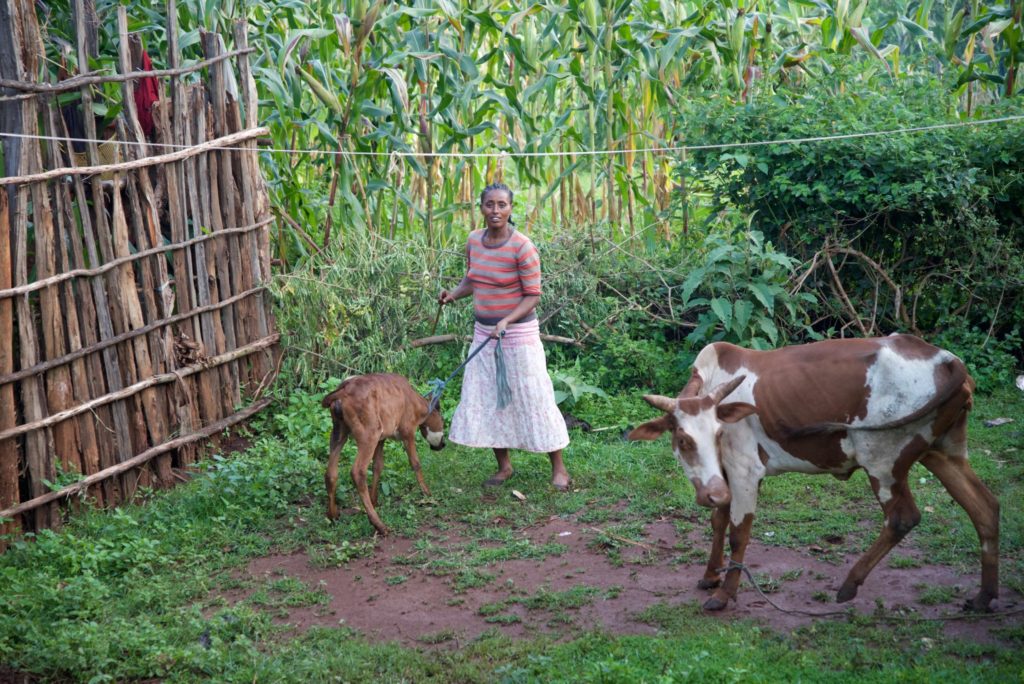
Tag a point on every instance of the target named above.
point(695, 423)
point(432, 429)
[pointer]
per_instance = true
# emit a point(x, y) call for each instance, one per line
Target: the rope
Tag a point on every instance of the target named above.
point(733, 565)
point(582, 153)
point(437, 386)
point(500, 377)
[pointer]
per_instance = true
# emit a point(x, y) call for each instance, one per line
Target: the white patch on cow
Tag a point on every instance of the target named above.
point(741, 461)
point(885, 493)
point(878, 451)
point(899, 386)
point(706, 364)
point(701, 428)
point(434, 438)
point(987, 547)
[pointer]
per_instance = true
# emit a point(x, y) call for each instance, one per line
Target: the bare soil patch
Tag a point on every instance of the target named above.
point(387, 597)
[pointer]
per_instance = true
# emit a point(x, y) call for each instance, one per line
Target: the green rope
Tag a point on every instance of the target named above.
point(501, 377)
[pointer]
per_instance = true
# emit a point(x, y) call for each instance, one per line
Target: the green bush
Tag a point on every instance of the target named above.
point(941, 212)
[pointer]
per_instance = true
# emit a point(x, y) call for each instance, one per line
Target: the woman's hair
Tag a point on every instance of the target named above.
point(496, 186)
point(502, 187)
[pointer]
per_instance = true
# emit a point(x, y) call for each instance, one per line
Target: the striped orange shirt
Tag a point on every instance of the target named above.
point(502, 275)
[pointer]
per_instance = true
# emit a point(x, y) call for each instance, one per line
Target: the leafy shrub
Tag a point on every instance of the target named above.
point(990, 362)
point(570, 387)
point(742, 288)
point(940, 211)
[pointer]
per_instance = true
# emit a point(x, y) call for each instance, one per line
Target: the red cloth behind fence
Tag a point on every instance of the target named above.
point(146, 93)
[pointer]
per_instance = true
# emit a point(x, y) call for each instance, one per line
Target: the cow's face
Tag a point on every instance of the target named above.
point(432, 430)
point(696, 424)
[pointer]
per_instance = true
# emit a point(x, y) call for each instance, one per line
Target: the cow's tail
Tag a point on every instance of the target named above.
point(958, 380)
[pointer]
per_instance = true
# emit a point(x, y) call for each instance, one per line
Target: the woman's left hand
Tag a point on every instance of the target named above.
point(499, 329)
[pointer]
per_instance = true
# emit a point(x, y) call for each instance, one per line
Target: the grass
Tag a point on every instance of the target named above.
point(138, 593)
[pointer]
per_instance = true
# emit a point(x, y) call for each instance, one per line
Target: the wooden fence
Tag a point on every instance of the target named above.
point(134, 322)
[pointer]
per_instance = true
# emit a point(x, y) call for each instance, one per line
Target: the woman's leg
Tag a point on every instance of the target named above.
point(504, 468)
point(559, 475)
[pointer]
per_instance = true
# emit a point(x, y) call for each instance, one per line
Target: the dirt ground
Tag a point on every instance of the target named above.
point(396, 601)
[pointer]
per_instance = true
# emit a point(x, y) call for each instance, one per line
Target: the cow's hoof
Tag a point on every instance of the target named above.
point(706, 583)
point(978, 604)
point(846, 592)
point(715, 604)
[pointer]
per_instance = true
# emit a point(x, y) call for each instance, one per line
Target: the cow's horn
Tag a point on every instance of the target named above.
point(726, 388)
point(694, 386)
point(659, 402)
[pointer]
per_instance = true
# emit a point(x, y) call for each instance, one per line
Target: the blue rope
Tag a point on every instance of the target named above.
point(504, 392)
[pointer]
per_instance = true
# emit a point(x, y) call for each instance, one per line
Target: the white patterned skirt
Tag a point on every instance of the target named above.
point(531, 421)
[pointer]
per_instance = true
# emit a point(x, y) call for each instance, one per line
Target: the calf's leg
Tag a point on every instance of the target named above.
point(339, 435)
point(378, 466)
point(956, 475)
point(716, 562)
point(359, 467)
point(414, 463)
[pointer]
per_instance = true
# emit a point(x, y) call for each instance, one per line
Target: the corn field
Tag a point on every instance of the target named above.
point(390, 117)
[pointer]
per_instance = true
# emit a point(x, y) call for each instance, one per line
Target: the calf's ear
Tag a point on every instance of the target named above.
point(735, 411)
point(652, 429)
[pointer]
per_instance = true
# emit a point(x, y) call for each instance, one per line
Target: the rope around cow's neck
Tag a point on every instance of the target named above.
point(500, 377)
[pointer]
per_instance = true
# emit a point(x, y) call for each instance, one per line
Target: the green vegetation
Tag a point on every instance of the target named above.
point(140, 592)
point(648, 255)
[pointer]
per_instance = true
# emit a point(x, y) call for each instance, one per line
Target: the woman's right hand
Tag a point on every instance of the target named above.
point(445, 297)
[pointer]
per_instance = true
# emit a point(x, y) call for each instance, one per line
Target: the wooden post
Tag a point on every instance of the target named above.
point(224, 325)
point(10, 451)
point(94, 230)
point(232, 211)
point(209, 393)
point(189, 418)
point(87, 460)
point(19, 21)
point(255, 206)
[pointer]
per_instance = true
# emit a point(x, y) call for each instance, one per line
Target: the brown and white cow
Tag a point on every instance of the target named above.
point(373, 408)
point(828, 407)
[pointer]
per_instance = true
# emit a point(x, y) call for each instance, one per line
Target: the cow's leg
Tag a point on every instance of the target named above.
point(367, 447)
point(378, 467)
point(901, 516)
point(713, 575)
point(414, 463)
point(339, 435)
point(739, 537)
point(959, 479)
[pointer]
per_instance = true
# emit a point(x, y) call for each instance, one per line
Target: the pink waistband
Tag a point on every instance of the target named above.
point(515, 331)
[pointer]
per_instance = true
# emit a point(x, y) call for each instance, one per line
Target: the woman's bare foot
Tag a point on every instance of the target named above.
point(560, 479)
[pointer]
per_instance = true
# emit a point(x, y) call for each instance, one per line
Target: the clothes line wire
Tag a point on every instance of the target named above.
point(557, 153)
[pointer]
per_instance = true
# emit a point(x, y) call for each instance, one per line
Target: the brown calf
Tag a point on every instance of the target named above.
point(373, 408)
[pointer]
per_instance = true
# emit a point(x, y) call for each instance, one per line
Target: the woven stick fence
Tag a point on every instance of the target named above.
point(134, 324)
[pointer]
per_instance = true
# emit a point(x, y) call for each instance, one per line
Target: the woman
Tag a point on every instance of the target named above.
point(503, 275)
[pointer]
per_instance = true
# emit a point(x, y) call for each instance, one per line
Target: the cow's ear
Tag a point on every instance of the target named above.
point(652, 429)
point(735, 411)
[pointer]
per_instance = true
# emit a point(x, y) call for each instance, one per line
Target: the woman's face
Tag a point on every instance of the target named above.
point(496, 206)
